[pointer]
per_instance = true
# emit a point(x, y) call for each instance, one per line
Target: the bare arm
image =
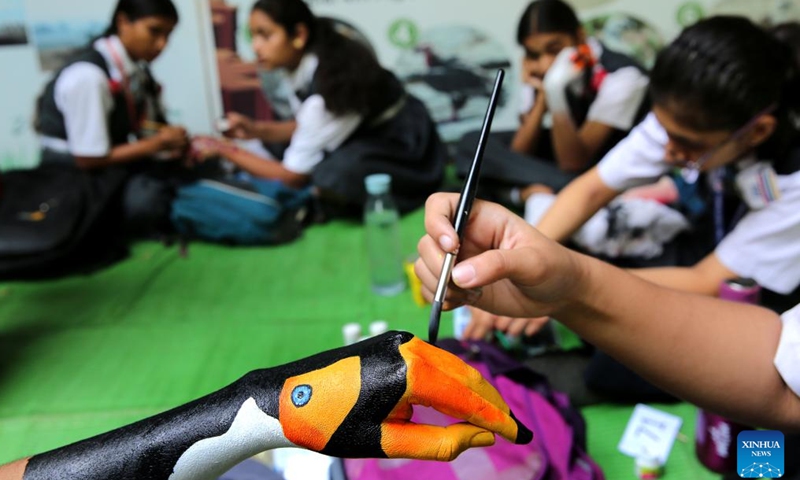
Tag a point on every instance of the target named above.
point(274, 132)
point(710, 352)
point(526, 139)
point(14, 470)
point(242, 127)
point(703, 278)
point(663, 334)
point(576, 204)
point(260, 167)
point(168, 138)
point(575, 147)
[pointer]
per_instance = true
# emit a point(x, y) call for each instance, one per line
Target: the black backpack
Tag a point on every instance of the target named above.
point(57, 220)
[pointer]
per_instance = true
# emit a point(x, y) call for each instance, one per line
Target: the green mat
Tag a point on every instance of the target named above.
point(83, 355)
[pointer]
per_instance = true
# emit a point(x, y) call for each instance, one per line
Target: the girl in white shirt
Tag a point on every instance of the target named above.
point(352, 117)
point(95, 110)
point(724, 95)
point(578, 100)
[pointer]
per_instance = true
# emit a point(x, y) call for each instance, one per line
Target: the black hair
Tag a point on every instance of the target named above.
point(788, 33)
point(136, 9)
point(547, 16)
point(721, 72)
point(348, 77)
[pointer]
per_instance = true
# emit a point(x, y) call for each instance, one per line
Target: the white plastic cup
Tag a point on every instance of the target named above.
point(378, 327)
point(351, 333)
point(461, 319)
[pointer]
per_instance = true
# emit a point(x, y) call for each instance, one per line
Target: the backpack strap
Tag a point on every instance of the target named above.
point(49, 119)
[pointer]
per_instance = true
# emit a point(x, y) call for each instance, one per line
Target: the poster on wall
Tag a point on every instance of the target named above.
point(57, 40)
point(765, 12)
point(445, 55)
point(12, 23)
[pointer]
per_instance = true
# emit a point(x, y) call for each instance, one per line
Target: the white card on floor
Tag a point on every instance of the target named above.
point(650, 433)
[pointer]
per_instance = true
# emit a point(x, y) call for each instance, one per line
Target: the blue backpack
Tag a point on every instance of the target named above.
point(240, 212)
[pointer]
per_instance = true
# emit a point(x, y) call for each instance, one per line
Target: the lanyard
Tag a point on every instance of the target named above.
point(126, 86)
point(718, 187)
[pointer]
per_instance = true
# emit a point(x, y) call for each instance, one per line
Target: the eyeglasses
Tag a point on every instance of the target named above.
point(691, 171)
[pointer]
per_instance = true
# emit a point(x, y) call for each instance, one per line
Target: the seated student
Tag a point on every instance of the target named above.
point(354, 401)
point(724, 99)
point(724, 96)
point(506, 267)
point(94, 111)
point(578, 100)
point(352, 117)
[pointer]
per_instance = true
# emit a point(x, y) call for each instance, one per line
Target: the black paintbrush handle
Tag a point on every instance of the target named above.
point(471, 183)
point(464, 207)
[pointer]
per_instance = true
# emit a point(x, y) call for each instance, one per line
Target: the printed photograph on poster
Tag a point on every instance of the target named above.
point(12, 23)
point(57, 40)
point(240, 82)
point(245, 88)
point(451, 68)
point(766, 12)
point(626, 34)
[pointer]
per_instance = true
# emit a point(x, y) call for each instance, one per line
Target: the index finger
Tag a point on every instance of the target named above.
point(441, 380)
point(439, 213)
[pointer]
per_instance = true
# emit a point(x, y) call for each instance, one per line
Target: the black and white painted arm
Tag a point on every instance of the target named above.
point(354, 401)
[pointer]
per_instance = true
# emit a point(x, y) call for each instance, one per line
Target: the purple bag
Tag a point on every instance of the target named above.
point(558, 449)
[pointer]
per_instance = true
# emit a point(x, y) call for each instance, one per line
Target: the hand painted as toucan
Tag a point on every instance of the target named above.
point(354, 401)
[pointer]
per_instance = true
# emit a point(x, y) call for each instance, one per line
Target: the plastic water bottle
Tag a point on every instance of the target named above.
point(384, 254)
point(715, 436)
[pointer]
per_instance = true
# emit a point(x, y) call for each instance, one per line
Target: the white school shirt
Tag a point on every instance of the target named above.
point(764, 245)
point(318, 130)
point(787, 357)
point(618, 99)
point(83, 95)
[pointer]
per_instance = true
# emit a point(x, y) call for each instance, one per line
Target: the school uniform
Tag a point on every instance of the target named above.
point(86, 110)
point(616, 95)
point(787, 357)
point(397, 136)
point(762, 245)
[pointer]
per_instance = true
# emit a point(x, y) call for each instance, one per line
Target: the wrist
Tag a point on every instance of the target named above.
point(539, 106)
point(582, 294)
point(155, 144)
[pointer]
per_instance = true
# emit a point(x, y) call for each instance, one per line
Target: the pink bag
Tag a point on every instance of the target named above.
point(558, 449)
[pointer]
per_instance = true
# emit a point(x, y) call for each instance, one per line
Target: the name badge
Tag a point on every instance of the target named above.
point(758, 185)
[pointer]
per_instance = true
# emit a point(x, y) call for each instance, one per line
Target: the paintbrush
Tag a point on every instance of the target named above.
point(465, 202)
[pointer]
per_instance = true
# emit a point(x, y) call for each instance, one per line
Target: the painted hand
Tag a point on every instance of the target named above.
point(357, 401)
point(565, 74)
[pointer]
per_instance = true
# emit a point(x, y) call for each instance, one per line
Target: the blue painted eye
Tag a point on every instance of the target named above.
point(301, 395)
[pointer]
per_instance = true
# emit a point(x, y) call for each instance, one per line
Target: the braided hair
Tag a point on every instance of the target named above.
point(721, 72)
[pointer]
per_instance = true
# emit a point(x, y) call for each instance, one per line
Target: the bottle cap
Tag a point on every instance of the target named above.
point(378, 327)
point(648, 467)
point(378, 183)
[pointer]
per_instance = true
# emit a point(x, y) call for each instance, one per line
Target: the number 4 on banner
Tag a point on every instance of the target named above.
point(650, 433)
